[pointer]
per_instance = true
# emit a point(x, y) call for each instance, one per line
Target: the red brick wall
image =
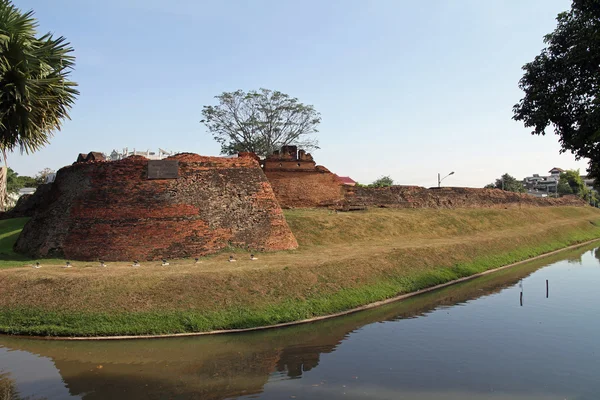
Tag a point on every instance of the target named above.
point(305, 188)
point(111, 211)
point(289, 165)
point(419, 197)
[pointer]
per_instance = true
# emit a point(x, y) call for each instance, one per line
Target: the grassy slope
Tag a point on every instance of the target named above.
point(9, 232)
point(345, 260)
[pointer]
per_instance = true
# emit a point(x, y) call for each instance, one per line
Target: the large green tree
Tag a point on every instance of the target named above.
point(570, 182)
point(571, 179)
point(562, 84)
point(260, 122)
point(15, 182)
point(507, 182)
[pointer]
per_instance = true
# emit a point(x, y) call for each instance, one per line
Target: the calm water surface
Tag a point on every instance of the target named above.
point(478, 340)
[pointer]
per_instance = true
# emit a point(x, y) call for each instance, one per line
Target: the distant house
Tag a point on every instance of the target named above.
point(589, 182)
point(346, 180)
point(555, 172)
point(537, 185)
point(151, 155)
point(543, 184)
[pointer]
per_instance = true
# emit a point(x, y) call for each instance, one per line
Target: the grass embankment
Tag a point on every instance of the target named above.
point(345, 260)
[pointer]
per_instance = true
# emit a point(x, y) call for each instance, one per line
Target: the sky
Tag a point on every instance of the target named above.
point(405, 88)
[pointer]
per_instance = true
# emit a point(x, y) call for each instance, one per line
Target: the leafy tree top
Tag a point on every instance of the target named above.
point(507, 182)
point(42, 176)
point(260, 122)
point(572, 179)
point(562, 84)
point(15, 182)
point(383, 181)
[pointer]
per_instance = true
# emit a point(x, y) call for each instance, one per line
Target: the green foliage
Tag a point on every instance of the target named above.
point(42, 176)
point(564, 188)
point(14, 182)
point(10, 229)
point(383, 181)
point(43, 322)
point(508, 183)
point(561, 84)
point(570, 182)
point(34, 81)
point(260, 122)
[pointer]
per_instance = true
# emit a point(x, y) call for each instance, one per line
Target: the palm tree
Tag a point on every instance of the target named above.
point(35, 91)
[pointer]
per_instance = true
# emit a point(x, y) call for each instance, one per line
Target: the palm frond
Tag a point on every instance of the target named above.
point(35, 91)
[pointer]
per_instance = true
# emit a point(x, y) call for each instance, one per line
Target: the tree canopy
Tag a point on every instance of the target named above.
point(42, 176)
point(562, 84)
point(382, 181)
point(15, 182)
point(261, 122)
point(508, 183)
point(570, 182)
point(35, 88)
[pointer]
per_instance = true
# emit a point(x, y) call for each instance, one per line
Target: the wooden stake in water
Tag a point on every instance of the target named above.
point(521, 299)
point(546, 288)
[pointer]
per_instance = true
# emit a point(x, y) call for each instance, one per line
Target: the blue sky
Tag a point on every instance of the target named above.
point(405, 88)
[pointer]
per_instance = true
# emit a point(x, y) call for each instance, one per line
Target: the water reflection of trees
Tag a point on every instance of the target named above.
point(577, 258)
point(8, 388)
point(574, 259)
point(228, 366)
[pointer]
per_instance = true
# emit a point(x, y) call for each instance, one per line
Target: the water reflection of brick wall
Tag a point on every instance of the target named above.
point(111, 211)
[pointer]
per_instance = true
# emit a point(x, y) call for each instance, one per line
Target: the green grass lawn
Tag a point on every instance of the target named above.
point(9, 232)
point(345, 260)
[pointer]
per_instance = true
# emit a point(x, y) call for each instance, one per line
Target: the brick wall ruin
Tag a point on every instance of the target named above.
point(112, 211)
point(28, 204)
point(447, 197)
point(298, 182)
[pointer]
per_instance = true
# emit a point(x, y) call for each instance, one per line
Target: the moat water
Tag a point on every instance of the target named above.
point(502, 336)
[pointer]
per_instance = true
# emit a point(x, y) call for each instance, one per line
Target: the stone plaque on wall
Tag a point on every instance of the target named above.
point(163, 169)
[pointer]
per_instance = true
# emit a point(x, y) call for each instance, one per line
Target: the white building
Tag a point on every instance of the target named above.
point(151, 155)
point(549, 183)
point(14, 197)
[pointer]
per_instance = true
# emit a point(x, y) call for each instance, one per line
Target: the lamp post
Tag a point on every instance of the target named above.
point(440, 180)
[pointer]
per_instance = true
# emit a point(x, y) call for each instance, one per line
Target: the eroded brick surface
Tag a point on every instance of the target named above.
point(111, 211)
point(306, 188)
point(28, 204)
point(447, 197)
point(298, 182)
